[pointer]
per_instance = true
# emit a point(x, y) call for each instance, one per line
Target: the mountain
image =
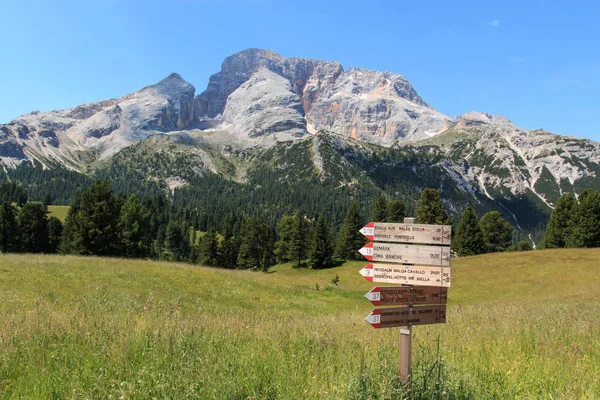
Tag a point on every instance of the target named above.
point(295, 125)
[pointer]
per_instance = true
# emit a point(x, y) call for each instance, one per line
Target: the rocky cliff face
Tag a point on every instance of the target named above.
point(369, 105)
point(265, 105)
point(68, 136)
point(375, 106)
point(501, 160)
point(307, 79)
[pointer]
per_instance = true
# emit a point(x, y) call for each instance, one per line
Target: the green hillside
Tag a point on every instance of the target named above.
point(59, 212)
point(520, 325)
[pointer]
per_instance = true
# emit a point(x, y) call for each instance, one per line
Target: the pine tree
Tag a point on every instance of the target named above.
point(350, 240)
point(209, 249)
point(135, 228)
point(468, 240)
point(284, 233)
point(380, 210)
point(33, 227)
point(558, 224)
point(9, 239)
point(227, 251)
point(72, 241)
point(55, 230)
point(173, 241)
point(92, 224)
point(430, 209)
point(47, 200)
point(497, 232)
point(299, 236)
point(159, 242)
point(256, 249)
point(396, 211)
point(584, 226)
point(321, 247)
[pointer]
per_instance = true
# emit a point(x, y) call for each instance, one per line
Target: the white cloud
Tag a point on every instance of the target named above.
point(494, 23)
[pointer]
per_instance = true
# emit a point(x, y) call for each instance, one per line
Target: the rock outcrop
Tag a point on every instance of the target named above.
point(104, 127)
point(265, 105)
point(375, 106)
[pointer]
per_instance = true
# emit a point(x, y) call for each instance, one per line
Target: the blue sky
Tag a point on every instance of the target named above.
point(535, 61)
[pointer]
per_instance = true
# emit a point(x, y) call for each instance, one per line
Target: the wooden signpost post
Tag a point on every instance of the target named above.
point(422, 300)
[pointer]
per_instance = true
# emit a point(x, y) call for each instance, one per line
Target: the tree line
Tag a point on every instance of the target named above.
point(102, 223)
point(574, 222)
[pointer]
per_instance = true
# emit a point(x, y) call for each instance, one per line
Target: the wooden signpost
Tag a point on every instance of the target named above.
point(407, 295)
point(406, 253)
point(422, 300)
point(401, 316)
point(407, 233)
point(407, 275)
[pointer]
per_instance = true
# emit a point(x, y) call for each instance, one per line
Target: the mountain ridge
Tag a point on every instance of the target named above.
point(260, 102)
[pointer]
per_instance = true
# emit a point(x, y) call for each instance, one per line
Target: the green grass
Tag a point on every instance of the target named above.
point(520, 325)
point(59, 212)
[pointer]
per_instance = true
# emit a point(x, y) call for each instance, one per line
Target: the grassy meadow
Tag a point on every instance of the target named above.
point(520, 325)
point(59, 212)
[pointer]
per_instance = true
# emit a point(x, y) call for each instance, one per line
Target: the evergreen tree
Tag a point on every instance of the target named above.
point(285, 227)
point(396, 211)
point(380, 210)
point(173, 240)
point(558, 224)
point(431, 210)
point(321, 247)
point(228, 251)
point(55, 230)
point(350, 240)
point(92, 226)
point(256, 249)
point(72, 240)
point(497, 232)
point(135, 229)
point(468, 240)
point(33, 227)
point(9, 239)
point(47, 200)
point(584, 226)
point(187, 248)
point(209, 249)
point(159, 242)
point(300, 237)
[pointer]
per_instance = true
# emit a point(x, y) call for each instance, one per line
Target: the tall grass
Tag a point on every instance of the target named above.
point(519, 326)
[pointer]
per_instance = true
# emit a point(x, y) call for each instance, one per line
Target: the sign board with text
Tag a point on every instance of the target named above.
point(407, 296)
point(407, 254)
point(408, 233)
point(407, 316)
point(407, 275)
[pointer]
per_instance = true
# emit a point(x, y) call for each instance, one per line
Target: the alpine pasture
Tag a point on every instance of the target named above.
point(520, 325)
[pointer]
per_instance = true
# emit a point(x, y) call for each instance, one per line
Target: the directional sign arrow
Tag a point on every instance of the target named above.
point(407, 233)
point(407, 253)
point(407, 275)
point(405, 296)
point(369, 231)
point(406, 316)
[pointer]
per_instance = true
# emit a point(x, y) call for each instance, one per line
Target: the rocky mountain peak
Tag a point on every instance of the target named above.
point(375, 106)
point(476, 118)
point(249, 60)
point(371, 83)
